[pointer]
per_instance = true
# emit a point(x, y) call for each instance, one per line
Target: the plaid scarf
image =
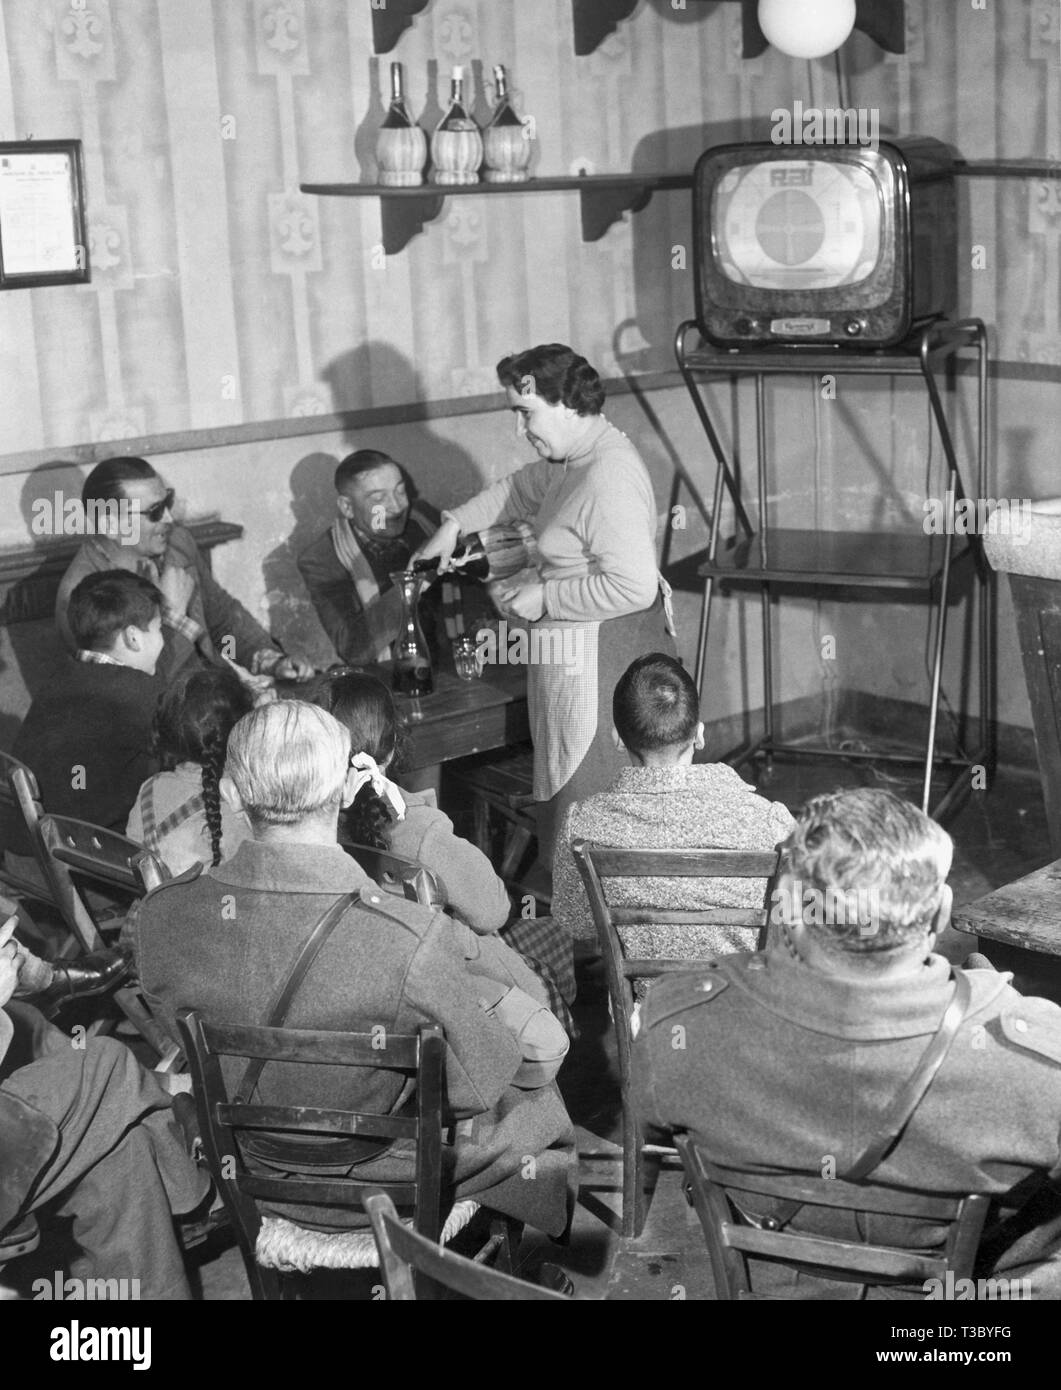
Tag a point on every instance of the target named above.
point(156, 830)
point(350, 551)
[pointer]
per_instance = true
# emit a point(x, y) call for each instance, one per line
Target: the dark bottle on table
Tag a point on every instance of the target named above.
point(412, 658)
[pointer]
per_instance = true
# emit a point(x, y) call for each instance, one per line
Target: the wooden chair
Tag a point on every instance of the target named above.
point(394, 873)
point(150, 871)
point(20, 800)
point(721, 1194)
point(20, 796)
point(597, 863)
point(105, 857)
point(403, 1254)
point(272, 1246)
point(501, 785)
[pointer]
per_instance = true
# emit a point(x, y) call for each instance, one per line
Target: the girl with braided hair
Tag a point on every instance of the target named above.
point(179, 814)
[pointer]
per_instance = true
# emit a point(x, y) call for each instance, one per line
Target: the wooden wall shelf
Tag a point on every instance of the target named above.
point(593, 21)
point(390, 21)
point(604, 198)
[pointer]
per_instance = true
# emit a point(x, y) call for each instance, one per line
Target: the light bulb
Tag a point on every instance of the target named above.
point(807, 28)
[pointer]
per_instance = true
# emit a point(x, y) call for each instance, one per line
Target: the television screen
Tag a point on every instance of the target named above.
point(828, 243)
point(809, 225)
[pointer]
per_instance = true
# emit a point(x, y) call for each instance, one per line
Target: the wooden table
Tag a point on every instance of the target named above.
point(464, 717)
point(1026, 912)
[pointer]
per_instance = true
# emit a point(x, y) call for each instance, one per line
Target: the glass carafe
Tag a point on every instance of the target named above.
point(412, 658)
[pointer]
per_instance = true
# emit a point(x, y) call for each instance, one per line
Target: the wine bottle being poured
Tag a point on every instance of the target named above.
point(469, 557)
point(493, 553)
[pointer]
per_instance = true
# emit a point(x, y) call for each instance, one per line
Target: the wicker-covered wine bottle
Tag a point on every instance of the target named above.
point(506, 141)
point(401, 147)
point(456, 146)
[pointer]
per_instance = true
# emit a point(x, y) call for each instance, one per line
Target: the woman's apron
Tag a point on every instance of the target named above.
point(573, 669)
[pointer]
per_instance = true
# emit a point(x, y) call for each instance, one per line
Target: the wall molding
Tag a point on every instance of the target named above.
point(377, 417)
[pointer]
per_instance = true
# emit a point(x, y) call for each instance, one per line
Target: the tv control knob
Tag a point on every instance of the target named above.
point(853, 327)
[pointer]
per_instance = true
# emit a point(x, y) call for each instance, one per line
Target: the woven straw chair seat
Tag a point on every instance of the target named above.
point(292, 1249)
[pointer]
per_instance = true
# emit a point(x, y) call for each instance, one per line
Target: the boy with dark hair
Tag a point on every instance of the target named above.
point(666, 801)
point(87, 738)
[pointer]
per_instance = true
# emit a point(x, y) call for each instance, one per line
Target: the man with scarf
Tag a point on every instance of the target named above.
point(348, 569)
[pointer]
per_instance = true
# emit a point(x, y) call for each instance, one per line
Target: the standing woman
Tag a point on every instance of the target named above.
point(596, 598)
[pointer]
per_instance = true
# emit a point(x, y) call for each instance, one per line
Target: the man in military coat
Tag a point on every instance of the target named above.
point(221, 940)
point(788, 1059)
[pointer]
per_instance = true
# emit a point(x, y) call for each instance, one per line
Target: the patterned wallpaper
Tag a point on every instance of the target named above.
point(221, 295)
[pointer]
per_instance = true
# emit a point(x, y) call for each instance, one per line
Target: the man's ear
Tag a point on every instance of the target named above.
point(132, 637)
point(698, 738)
point(229, 794)
point(941, 921)
point(787, 901)
point(346, 507)
point(787, 923)
point(616, 739)
point(350, 787)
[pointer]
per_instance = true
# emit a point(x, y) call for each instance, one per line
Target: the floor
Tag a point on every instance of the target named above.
point(999, 835)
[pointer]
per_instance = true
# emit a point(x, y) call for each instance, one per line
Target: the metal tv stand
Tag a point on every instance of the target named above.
point(883, 564)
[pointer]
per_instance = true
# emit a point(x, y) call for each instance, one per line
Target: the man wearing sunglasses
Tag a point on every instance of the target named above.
point(203, 624)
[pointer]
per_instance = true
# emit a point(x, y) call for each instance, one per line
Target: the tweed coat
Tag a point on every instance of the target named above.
point(697, 806)
point(220, 941)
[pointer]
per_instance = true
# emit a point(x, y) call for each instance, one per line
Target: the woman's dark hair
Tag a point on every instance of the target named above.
point(367, 708)
point(559, 375)
point(655, 704)
point(192, 724)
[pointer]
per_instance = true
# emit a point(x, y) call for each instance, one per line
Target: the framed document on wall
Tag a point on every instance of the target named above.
point(42, 214)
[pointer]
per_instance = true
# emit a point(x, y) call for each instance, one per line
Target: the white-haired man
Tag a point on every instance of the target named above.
point(790, 1059)
point(220, 940)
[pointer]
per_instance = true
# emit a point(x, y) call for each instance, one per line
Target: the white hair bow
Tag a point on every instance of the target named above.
point(367, 769)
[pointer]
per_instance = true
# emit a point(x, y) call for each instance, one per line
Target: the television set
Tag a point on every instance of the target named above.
point(848, 245)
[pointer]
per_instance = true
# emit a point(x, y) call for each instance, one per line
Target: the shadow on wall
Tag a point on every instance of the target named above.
point(441, 471)
point(31, 654)
point(292, 617)
point(444, 472)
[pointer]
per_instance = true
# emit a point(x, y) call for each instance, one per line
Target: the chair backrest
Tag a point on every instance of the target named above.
point(19, 791)
point(227, 1121)
point(598, 863)
point(721, 1197)
point(105, 856)
point(403, 1253)
point(151, 872)
point(392, 871)
point(78, 847)
point(20, 800)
